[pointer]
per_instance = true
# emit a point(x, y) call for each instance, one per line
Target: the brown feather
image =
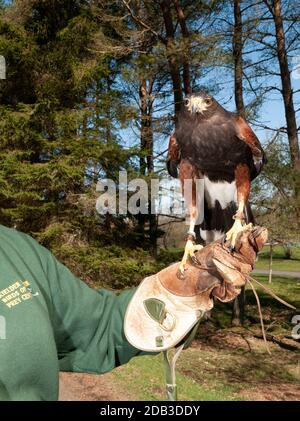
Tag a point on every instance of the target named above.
point(174, 156)
point(246, 134)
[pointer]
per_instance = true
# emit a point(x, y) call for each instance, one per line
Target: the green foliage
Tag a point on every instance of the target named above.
point(110, 266)
point(166, 257)
point(273, 195)
point(59, 111)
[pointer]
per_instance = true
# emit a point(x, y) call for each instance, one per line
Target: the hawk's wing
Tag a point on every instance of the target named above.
point(246, 134)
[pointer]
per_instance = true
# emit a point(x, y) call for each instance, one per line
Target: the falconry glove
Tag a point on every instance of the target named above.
point(166, 307)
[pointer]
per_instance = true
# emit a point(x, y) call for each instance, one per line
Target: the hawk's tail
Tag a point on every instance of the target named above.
point(218, 221)
point(249, 217)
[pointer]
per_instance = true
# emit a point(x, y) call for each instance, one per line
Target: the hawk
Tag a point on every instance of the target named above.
point(218, 146)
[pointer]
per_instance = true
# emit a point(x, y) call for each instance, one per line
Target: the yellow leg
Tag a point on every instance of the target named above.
point(238, 226)
point(232, 234)
point(189, 251)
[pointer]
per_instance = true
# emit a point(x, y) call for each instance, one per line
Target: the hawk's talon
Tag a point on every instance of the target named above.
point(195, 260)
point(232, 234)
point(189, 252)
point(238, 226)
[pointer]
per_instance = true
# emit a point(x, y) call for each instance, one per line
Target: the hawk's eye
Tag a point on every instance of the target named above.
point(208, 101)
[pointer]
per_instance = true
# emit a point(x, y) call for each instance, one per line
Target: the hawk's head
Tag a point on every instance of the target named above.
point(200, 103)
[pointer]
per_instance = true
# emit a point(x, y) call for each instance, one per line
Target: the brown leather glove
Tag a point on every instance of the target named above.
point(166, 306)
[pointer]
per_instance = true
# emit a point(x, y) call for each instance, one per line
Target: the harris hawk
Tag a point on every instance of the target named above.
point(218, 146)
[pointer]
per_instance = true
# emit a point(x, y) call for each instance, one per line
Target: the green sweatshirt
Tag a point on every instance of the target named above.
point(51, 321)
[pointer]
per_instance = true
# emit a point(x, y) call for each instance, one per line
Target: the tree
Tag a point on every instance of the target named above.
point(53, 136)
point(237, 52)
point(238, 310)
point(287, 91)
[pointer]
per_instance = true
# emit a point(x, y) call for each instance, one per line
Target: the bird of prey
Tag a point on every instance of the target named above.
point(218, 146)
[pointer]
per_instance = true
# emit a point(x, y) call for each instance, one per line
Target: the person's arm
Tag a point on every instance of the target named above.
point(88, 324)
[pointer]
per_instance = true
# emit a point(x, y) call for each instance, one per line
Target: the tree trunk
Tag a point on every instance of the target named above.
point(172, 60)
point(186, 54)
point(143, 109)
point(146, 105)
point(287, 92)
point(271, 263)
point(237, 48)
point(146, 161)
point(238, 309)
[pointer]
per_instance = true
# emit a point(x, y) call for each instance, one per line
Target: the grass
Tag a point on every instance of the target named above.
point(279, 260)
point(226, 363)
point(145, 378)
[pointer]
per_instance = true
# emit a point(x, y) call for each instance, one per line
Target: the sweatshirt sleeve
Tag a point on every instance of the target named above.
point(88, 324)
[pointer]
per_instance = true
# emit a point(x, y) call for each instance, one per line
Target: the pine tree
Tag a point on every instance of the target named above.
point(59, 106)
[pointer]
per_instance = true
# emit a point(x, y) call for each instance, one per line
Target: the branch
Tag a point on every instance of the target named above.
point(256, 63)
point(256, 50)
point(265, 127)
point(142, 23)
point(260, 41)
point(160, 154)
point(269, 7)
point(288, 48)
point(250, 84)
point(249, 6)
